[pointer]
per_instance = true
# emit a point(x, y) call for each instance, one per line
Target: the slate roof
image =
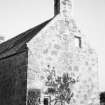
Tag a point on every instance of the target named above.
point(13, 45)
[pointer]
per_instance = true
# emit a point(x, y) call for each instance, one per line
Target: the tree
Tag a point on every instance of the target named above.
point(60, 87)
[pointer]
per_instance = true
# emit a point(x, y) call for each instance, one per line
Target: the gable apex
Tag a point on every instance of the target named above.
point(62, 6)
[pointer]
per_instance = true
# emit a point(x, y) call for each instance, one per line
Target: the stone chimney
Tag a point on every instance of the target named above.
point(62, 6)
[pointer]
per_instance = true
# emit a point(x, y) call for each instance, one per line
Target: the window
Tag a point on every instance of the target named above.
point(78, 41)
point(46, 100)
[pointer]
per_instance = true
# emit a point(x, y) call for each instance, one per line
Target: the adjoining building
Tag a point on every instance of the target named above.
point(102, 98)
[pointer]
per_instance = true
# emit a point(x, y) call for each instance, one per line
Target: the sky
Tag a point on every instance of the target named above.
point(16, 16)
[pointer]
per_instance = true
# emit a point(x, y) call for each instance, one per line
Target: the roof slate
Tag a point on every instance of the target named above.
point(14, 45)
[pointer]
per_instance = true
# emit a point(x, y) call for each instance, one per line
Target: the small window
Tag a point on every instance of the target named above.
point(33, 96)
point(78, 41)
point(45, 101)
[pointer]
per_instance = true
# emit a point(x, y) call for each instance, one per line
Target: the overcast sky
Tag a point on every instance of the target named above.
point(16, 16)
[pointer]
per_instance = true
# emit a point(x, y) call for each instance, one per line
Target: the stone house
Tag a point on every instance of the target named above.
point(50, 64)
